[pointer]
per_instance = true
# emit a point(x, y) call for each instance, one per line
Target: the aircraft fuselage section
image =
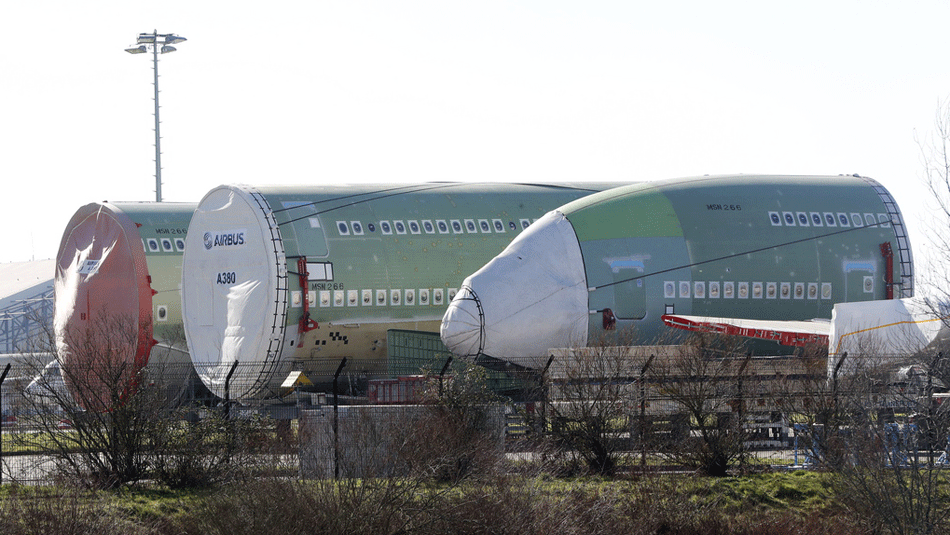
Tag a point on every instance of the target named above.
point(738, 248)
point(305, 276)
point(757, 247)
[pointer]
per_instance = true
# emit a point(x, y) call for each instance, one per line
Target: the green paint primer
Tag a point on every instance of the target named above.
point(639, 211)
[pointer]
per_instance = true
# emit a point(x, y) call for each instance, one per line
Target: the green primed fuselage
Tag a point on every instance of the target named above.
point(377, 257)
point(783, 248)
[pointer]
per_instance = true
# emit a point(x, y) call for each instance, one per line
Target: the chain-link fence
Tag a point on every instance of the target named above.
point(602, 409)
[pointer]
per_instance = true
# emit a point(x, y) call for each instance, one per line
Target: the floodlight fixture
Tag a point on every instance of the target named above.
point(158, 43)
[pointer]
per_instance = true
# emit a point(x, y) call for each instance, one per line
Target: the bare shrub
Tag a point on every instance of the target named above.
point(272, 506)
point(873, 422)
point(705, 379)
point(192, 452)
point(522, 506)
point(890, 477)
point(108, 418)
point(461, 433)
point(455, 434)
point(818, 407)
point(935, 157)
point(69, 513)
point(96, 423)
point(591, 398)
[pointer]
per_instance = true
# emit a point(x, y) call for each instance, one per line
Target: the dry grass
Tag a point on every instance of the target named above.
point(776, 504)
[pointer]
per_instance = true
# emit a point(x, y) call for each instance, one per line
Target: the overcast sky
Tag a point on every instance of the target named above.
point(325, 92)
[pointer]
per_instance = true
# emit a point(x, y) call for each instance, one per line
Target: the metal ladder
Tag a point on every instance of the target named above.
point(904, 255)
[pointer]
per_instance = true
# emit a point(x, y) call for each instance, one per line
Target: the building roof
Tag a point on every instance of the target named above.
point(23, 280)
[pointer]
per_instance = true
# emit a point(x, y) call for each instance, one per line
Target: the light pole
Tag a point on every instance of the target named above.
point(158, 43)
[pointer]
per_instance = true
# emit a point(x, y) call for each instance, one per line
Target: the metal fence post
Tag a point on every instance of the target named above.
point(931, 435)
point(227, 391)
point(544, 396)
point(643, 412)
point(3, 378)
point(336, 424)
point(442, 374)
point(740, 407)
point(834, 385)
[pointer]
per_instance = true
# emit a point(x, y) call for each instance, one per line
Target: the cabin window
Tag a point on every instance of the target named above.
point(799, 290)
point(786, 291)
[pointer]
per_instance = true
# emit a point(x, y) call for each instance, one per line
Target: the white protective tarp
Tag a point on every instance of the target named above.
point(229, 288)
point(514, 307)
point(873, 333)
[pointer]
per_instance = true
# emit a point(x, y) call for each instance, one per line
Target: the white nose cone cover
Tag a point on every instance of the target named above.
point(529, 298)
